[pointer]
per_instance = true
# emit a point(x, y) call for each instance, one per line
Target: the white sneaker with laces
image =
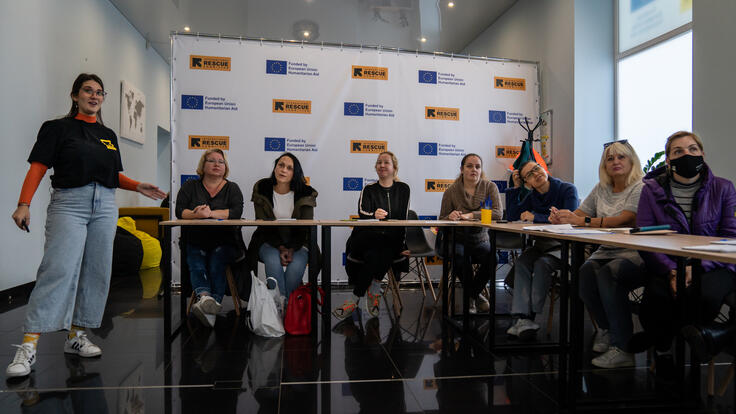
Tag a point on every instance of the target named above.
point(514, 329)
point(207, 319)
point(24, 358)
point(614, 358)
point(601, 341)
point(209, 304)
point(527, 329)
point(82, 346)
point(471, 307)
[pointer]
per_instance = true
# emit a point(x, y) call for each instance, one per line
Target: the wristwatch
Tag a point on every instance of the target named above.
point(587, 221)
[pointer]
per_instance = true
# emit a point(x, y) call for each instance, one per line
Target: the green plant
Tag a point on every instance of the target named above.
point(653, 163)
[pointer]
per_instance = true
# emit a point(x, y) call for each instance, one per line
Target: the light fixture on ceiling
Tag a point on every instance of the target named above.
point(305, 29)
point(451, 4)
point(186, 28)
point(423, 39)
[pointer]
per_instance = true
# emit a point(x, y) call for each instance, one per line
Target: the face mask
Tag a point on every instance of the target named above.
point(687, 166)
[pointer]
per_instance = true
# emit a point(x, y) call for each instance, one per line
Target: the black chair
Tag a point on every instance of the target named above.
point(416, 242)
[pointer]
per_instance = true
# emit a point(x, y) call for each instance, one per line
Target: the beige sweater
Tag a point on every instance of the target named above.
point(455, 198)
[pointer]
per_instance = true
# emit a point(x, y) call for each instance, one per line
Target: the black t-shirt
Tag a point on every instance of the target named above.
point(192, 194)
point(79, 152)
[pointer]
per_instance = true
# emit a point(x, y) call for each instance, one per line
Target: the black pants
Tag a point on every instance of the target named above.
point(371, 255)
point(661, 317)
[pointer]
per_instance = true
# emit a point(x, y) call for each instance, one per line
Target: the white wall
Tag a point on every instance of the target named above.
point(45, 45)
point(541, 30)
point(714, 89)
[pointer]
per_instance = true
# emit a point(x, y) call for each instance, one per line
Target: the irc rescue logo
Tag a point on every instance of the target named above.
point(108, 144)
point(442, 114)
point(507, 151)
point(368, 147)
point(289, 106)
point(437, 185)
point(516, 84)
point(370, 72)
point(209, 142)
point(209, 63)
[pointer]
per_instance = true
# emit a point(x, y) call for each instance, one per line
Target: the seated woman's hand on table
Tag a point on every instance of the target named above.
point(565, 216)
point(380, 214)
point(527, 216)
point(457, 215)
point(202, 211)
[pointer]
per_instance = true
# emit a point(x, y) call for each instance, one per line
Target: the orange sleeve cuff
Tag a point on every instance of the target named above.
point(127, 183)
point(30, 184)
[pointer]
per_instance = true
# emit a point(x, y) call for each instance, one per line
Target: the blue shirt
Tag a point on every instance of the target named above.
point(561, 195)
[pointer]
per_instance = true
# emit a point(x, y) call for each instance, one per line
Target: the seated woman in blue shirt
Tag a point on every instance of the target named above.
point(534, 268)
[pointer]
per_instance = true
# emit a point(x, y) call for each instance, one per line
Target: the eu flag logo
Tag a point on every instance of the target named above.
point(497, 117)
point(275, 144)
point(192, 102)
point(427, 76)
point(187, 177)
point(277, 67)
point(427, 148)
point(354, 108)
point(352, 184)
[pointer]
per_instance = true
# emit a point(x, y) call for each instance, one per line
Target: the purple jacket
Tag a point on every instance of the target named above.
point(713, 212)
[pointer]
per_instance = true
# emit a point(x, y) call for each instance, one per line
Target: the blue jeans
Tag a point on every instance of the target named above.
point(207, 269)
point(287, 280)
point(604, 288)
point(74, 276)
point(532, 278)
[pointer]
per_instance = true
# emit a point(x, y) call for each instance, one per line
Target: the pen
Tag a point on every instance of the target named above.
point(650, 228)
point(25, 226)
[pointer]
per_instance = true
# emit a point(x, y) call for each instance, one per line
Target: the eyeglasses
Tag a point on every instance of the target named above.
point(221, 162)
point(531, 172)
point(620, 141)
point(99, 92)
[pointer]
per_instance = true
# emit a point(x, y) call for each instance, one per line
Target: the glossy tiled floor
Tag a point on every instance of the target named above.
point(368, 365)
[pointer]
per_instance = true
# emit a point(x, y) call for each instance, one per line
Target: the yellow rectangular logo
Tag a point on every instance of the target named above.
point(209, 142)
point(507, 151)
point(444, 114)
point(437, 185)
point(370, 72)
point(432, 261)
point(368, 147)
point(290, 106)
point(209, 63)
point(516, 84)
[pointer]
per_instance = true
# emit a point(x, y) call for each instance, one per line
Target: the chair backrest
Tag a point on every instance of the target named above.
point(416, 241)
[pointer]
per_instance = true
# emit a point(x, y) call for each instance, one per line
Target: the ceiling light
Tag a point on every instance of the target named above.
point(305, 30)
point(306, 33)
point(186, 28)
point(451, 4)
point(423, 40)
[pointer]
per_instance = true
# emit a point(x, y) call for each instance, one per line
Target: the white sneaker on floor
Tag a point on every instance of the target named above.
point(614, 358)
point(482, 304)
point(601, 341)
point(207, 319)
point(24, 358)
point(209, 304)
point(82, 346)
point(514, 329)
point(471, 306)
point(527, 329)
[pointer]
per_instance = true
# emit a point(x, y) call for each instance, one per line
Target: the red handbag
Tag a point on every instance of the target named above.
point(298, 320)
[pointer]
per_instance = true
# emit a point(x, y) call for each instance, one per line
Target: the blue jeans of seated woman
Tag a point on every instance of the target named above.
point(74, 276)
point(604, 288)
point(207, 269)
point(287, 280)
point(532, 278)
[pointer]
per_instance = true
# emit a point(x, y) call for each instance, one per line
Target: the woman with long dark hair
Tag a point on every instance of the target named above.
point(283, 195)
point(74, 276)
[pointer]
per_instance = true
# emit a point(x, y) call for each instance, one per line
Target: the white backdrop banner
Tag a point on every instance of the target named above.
point(335, 109)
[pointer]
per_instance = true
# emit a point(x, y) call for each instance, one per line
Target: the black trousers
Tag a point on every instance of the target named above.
point(371, 255)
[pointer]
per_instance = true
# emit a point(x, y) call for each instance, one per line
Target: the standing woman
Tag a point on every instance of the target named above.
point(209, 249)
point(74, 276)
point(283, 195)
point(463, 201)
point(610, 272)
point(371, 251)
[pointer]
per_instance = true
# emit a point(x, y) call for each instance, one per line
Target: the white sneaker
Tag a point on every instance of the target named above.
point(82, 346)
point(209, 304)
point(527, 329)
point(482, 304)
point(207, 319)
point(601, 341)
point(25, 356)
point(514, 329)
point(472, 308)
point(614, 358)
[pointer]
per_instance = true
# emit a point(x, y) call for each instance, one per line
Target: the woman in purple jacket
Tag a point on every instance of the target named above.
point(686, 195)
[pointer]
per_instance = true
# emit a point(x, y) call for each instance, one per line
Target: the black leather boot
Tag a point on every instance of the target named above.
point(709, 341)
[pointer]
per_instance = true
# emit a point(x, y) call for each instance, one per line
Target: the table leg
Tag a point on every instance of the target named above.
point(166, 280)
point(682, 306)
point(327, 274)
point(574, 343)
point(467, 272)
point(492, 292)
point(313, 271)
point(445, 280)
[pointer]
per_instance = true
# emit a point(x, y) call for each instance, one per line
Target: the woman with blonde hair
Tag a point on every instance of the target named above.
point(210, 249)
point(610, 272)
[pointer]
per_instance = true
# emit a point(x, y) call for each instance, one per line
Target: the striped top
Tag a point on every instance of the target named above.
point(684, 194)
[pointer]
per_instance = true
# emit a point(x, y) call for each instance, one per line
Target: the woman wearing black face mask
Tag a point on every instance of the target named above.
point(686, 195)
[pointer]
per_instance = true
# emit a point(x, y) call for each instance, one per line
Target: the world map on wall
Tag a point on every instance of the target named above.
point(132, 113)
point(135, 111)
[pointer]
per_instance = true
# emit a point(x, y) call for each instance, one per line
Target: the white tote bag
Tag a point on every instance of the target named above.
point(264, 319)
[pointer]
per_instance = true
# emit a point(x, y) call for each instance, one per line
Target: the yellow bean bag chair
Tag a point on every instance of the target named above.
point(151, 245)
